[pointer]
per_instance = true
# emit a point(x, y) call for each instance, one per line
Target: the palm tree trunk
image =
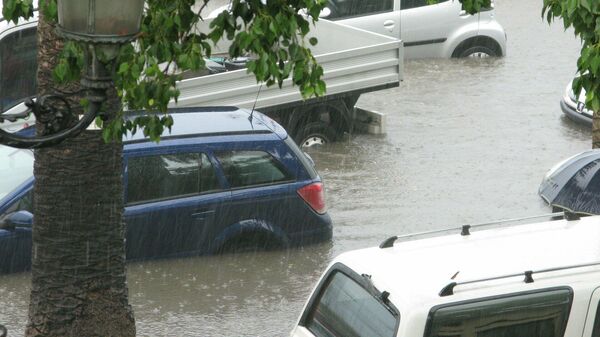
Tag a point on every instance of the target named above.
point(78, 261)
point(596, 130)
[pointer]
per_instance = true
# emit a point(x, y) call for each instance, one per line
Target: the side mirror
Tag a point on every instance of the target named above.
point(325, 13)
point(17, 219)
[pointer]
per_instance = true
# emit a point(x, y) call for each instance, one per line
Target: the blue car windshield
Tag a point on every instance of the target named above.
point(16, 166)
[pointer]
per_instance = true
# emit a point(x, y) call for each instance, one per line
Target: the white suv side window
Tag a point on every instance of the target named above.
point(535, 314)
point(345, 308)
point(341, 9)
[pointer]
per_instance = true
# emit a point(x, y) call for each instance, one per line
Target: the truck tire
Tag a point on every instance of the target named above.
point(315, 134)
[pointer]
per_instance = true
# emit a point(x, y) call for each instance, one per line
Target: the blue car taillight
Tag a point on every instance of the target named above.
point(314, 196)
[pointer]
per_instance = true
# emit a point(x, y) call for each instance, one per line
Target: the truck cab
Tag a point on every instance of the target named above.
point(534, 280)
point(18, 68)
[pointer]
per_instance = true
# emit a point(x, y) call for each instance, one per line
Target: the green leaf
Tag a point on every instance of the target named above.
point(60, 72)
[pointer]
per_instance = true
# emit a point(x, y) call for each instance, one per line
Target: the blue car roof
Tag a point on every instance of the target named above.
point(206, 121)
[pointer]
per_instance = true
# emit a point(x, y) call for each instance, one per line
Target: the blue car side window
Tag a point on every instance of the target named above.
point(251, 168)
point(160, 177)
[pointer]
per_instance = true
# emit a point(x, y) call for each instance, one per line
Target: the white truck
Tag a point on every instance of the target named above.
point(354, 62)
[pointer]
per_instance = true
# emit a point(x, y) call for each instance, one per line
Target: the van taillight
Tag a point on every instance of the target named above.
point(314, 196)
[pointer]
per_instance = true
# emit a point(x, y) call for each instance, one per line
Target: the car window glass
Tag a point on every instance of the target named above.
point(159, 177)
point(302, 157)
point(541, 314)
point(18, 67)
point(408, 4)
point(596, 329)
point(249, 168)
point(345, 309)
point(341, 9)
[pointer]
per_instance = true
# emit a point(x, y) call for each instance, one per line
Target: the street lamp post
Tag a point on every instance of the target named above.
point(102, 26)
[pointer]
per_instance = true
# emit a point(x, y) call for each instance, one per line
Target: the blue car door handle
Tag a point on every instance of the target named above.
point(202, 214)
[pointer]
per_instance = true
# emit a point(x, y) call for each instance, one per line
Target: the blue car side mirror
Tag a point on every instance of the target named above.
point(17, 219)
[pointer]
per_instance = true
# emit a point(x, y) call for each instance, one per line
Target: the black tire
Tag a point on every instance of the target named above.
point(250, 242)
point(477, 48)
point(315, 134)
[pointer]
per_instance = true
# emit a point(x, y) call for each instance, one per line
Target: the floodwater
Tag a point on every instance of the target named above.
point(467, 141)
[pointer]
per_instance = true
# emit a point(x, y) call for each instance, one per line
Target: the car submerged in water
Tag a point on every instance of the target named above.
point(429, 30)
point(573, 106)
point(224, 179)
point(533, 280)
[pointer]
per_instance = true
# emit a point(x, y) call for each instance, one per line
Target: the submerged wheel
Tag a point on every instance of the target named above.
point(315, 134)
point(477, 48)
point(479, 52)
point(250, 242)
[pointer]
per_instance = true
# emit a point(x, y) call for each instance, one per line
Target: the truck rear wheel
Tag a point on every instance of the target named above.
point(315, 134)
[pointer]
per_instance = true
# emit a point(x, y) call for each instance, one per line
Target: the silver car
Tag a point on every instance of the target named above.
point(574, 106)
point(439, 30)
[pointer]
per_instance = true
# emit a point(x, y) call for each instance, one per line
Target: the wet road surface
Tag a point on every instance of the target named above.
point(467, 141)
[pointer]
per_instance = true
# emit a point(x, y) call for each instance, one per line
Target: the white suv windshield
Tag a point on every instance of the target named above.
point(15, 167)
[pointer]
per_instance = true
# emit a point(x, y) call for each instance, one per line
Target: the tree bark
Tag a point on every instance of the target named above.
point(79, 283)
point(596, 130)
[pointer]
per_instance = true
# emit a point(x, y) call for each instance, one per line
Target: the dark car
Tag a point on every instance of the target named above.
point(223, 178)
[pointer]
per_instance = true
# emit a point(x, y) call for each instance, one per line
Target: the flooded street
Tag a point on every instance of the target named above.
point(467, 141)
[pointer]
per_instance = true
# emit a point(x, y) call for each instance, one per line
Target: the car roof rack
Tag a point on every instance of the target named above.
point(465, 230)
point(528, 277)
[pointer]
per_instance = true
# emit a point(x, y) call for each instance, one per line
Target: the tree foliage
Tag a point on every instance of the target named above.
point(273, 33)
point(584, 17)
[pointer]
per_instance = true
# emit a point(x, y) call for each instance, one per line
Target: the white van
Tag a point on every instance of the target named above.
point(534, 280)
point(440, 30)
point(428, 30)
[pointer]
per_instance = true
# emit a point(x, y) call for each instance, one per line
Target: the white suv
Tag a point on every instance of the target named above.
point(439, 30)
point(533, 280)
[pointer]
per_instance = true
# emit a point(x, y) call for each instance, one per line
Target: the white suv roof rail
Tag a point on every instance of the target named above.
point(465, 230)
point(449, 288)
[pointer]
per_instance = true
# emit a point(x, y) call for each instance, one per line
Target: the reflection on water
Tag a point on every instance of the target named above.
point(468, 141)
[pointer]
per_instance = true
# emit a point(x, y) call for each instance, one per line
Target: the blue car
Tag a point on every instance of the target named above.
point(223, 179)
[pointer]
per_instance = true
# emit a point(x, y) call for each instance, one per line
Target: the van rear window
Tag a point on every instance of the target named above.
point(537, 314)
point(346, 309)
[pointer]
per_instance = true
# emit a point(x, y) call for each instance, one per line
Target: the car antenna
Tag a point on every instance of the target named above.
point(254, 106)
